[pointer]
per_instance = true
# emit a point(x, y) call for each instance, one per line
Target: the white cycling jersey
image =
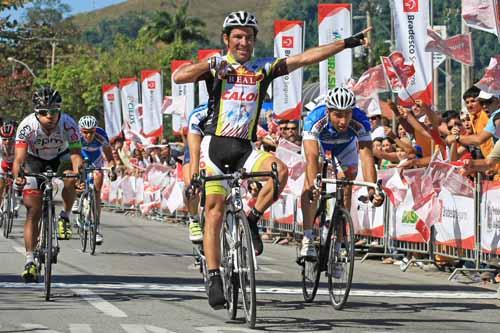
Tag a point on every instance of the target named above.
point(45, 146)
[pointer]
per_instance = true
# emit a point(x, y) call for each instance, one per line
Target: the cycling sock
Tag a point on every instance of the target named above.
point(254, 217)
point(309, 234)
point(29, 257)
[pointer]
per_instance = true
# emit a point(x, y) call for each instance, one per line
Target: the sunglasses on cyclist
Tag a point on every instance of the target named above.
point(45, 112)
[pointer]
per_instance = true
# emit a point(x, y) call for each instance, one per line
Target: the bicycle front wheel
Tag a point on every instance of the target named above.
point(49, 232)
point(82, 226)
point(229, 277)
point(245, 253)
point(341, 258)
point(4, 217)
point(11, 207)
point(92, 220)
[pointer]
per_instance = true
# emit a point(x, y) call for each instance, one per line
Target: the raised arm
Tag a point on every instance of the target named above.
point(320, 53)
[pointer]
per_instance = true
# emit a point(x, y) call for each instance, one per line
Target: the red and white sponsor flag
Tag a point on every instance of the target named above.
point(287, 89)
point(490, 81)
point(458, 47)
point(411, 19)
point(112, 110)
point(490, 217)
point(288, 153)
point(398, 71)
point(183, 95)
point(203, 55)
point(371, 83)
point(482, 15)
point(152, 98)
point(334, 23)
point(129, 91)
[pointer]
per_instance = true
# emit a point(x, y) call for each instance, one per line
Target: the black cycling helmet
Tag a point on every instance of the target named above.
point(46, 97)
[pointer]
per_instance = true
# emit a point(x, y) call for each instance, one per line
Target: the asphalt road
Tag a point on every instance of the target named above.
point(142, 279)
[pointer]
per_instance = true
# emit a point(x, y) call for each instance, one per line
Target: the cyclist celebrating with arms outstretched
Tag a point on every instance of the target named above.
point(46, 138)
point(344, 130)
point(237, 87)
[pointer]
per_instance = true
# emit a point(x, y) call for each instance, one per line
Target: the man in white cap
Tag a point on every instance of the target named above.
point(375, 116)
point(489, 102)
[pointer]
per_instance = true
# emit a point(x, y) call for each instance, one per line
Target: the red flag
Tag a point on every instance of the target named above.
point(371, 82)
point(490, 82)
point(481, 15)
point(398, 72)
point(458, 47)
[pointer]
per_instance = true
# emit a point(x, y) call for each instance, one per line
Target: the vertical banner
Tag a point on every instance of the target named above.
point(334, 23)
point(203, 55)
point(129, 92)
point(112, 110)
point(184, 91)
point(152, 98)
point(411, 19)
point(287, 89)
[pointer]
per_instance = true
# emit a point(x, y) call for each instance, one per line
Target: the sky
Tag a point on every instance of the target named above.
point(77, 6)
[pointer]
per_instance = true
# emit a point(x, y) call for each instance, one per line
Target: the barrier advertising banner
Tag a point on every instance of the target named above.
point(411, 19)
point(203, 55)
point(490, 217)
point(334, 23)
point(129, 92)
point(112, 110)
point(152, 99)
point(287, 89)
point(184, 92)
point(367, 220)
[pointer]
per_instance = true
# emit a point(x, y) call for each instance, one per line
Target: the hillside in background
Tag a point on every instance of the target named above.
point(211, 12)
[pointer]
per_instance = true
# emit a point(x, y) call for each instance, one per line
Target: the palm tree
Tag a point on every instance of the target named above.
point(179, 28)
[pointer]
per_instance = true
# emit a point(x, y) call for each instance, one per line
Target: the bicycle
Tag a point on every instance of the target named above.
point(238, 262)
point(47, 247)
point(8, 205)
point(335, 249)
point(88, 217)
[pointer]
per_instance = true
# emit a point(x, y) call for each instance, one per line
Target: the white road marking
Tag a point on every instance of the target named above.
point(99, 303)
point(132, 328)
point(80, 328)
point(267, 270)
point(266, 258)
point(37, 328)
point(127, 287)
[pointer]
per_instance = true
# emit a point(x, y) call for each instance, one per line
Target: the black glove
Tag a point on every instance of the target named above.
point(355, 40)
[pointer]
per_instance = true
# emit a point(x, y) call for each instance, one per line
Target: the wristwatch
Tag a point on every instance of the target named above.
point(457, 138)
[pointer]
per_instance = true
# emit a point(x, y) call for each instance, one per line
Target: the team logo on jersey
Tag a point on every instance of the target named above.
point(244, 77)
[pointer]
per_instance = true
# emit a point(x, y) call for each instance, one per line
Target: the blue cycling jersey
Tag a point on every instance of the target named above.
point(317, 127)
point(197, 118)
point(93, 150)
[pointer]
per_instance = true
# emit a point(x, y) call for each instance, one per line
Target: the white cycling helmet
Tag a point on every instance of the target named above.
point(240, 18)
point(87, 122)
point(340, 99)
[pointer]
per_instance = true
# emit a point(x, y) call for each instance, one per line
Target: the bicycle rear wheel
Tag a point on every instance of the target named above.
point(49, 232)
point(92, 220)
point(341, 258)
point(246, 263)
point(227, 263)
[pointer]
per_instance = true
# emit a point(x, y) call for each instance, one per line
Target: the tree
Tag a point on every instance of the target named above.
point(179, 28)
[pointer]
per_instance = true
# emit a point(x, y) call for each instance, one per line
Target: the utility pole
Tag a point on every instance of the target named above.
point(369, 35)
point(449, 83)
point(53, 60)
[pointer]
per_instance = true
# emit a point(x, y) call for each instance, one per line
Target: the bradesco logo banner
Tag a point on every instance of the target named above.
point(129, 91)
point(287, 89)
point(186, 92)
point(152, 98)
point(203, 55)
point(411, 18)
point(490, 217)
point(334, 23)
point(112, 110)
